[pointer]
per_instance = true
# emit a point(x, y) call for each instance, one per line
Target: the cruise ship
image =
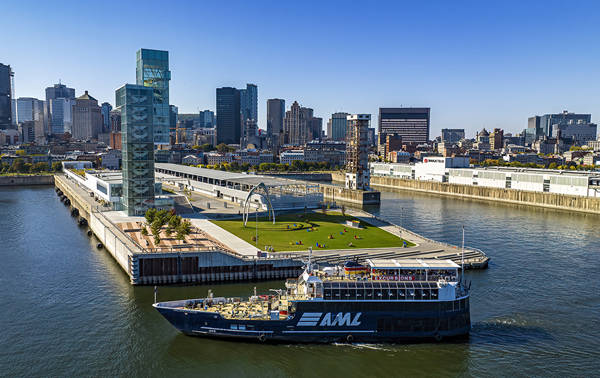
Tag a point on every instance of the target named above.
point(384, 300)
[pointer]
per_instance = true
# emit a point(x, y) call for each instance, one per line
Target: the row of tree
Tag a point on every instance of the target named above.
point(19, 166)
point(501, 163)
point(296, 166)
point(207, 147)
point(157, 219)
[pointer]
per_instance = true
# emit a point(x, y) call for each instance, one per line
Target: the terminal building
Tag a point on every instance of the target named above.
point(456, 171)
point(284, 194)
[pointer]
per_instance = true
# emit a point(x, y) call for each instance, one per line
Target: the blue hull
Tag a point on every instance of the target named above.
point(334, 321)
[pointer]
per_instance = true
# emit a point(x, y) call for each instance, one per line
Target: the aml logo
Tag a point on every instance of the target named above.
point(311, 319)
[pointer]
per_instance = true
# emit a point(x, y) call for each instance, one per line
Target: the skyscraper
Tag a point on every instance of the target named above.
point(547, 121)
point(229, 125)
point(87, 118)
point(316, 128)
point(452, 135)
point(152, 70)
point(412, 124)
point(106, 108)
point(296, 125)
point(59, 101)
point(336, 127)
point(207, 118)
point(357, 152)
point(136, 105)
point(275, 114)
point(31, 109)
point(6, 103)
point(249, 102)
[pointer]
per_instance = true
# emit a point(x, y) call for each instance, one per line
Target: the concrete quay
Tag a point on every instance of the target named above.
point(171, 265)
point(24, 180)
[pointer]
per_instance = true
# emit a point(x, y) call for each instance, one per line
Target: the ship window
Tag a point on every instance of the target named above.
point(377, 292)
point(351, 290)
point(327, 293)
point(344, 291)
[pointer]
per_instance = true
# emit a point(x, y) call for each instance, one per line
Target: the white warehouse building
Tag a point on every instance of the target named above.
point(585, 184)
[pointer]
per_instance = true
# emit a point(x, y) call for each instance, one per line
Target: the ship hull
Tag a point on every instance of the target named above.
point(334, 321)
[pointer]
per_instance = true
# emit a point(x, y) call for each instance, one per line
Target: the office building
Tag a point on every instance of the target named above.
point(336, 127)
point(136, 105)
point(27, 131)
point(496, 139)
point(275, 116)
point(296, 125)
point(173, 117)
point(578, 133)
point(29, 109)
point(249, 102)
point(452, 135)
point(547, 121)
point(206, 119)
point(87, 118)
point(357, 152)
point(152, 71)
point(410, 123)
point(6, 97)
point(60, 115)
point(59, 102)
point(316, 128)
point(229, 119)
point(59, 91)
point(106, 108)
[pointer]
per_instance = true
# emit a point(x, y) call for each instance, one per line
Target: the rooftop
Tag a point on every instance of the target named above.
point(412, 264)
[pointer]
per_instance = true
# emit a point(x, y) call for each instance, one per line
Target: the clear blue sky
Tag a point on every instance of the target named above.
point(474, 63)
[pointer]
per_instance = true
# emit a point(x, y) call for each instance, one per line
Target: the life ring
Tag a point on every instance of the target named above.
point(437, 337)
point(262, 338)
point(349, 338)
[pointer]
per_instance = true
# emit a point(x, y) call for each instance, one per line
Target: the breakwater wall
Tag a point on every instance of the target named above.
point(513, 196)
point(334, 193)
point(26, 180)
point(145, 267)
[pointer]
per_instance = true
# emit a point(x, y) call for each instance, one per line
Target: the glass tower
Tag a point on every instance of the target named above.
point(153, 71)
point(137, 139)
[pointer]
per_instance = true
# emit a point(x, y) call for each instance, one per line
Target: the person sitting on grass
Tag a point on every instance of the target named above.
point(350, 244)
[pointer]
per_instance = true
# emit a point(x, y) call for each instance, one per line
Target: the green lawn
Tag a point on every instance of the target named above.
point(315, 228)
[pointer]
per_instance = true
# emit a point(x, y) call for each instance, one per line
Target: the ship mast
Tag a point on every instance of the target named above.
point(462, 257)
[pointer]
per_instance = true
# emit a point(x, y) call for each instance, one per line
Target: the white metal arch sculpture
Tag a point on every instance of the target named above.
point(264, 194)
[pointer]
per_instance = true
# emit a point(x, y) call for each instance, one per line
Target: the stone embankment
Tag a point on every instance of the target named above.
point(25, 180)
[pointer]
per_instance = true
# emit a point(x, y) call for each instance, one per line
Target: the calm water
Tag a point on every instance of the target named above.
point(66, 308)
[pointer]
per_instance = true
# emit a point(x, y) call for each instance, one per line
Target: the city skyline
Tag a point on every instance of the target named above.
point(474, 65)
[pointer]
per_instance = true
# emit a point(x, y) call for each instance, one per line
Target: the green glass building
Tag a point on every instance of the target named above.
point(152, 70)
point(137, 137)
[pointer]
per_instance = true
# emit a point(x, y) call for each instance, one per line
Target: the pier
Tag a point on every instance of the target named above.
point(224, 256)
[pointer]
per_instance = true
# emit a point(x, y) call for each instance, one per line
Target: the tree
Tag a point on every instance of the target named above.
point(343, 208)
point(184, 229)
point(17, 166)
point(57, 166)
point(40, 167)
point(144, 231)
point(150, 214)
point(552, 165)
point(223, 148)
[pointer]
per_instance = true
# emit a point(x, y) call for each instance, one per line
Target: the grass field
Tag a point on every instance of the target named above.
point(328, 230)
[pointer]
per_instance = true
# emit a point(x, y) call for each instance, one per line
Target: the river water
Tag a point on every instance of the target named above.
point(66, 308)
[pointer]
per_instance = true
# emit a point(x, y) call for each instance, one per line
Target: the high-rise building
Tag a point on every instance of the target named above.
point(152, 71)
point(173, 117)
point(296, 125)
point(136, 105)
point(249, 102)
point(106, 109)
point(410, 123)
point(275, 115)
point(357, 152)
point(336, 127)
point(207, 119)
point(497, 139)
point(6, 95)
point(27, 131)
point(452, 135)
point(60, 117)
point(29, 109)
point(316, 128)
point(87, 118)
point(229, 119)
point(59, 91)
point(547, 121)
point(59, 102)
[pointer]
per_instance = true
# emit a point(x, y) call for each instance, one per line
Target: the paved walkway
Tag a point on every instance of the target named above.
point(236, 244)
